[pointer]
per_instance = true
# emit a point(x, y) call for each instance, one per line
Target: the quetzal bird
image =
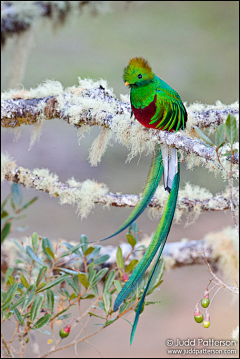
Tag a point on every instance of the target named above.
point(155, 105)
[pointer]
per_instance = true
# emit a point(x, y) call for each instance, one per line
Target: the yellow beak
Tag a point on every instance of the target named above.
point(126, 83)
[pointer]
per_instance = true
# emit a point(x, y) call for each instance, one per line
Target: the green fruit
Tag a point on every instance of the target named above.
point(205, 302)
point(63, 333)
point(198, 318)
point(206, 324)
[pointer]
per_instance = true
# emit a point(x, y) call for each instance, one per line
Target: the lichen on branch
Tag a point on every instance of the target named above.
point(192, 200)
point(94, 103)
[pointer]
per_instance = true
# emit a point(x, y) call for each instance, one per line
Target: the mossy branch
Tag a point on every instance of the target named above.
point(98, 106)
point(17, 17)
point(88, 193)
point(178, 254)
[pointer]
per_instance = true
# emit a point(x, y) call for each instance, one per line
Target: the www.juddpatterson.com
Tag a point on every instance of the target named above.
point(224, 346)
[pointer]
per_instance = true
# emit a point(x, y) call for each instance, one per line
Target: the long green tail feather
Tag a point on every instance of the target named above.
point(154, 177)
point(159, 239)
point(145, 292)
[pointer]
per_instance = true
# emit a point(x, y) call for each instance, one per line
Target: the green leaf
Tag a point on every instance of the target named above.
point(109, 322)
point(18, 245)
point(150, 303)
point(41, 275)
point(220, 135)
point(231, 128)
point(89, 251)
point(73, 296)
point(203, 136)
point(70, 271)
point(101, 260)
point(87, 296)
point(11, 280)
point(95, 253)
point(50, 252)
point(72, 249)
point(65, 293)
point(27, 204)
point(91, 273)
point(107, 301)
point(8, 272)
point(4, 214)
point(100, 304)
point(119, 258)
point(17, 303)
point(42, 321)
point(29, 295)
point(36, 307)
point(6, 304)
point(131, 265)
point(117, 285)
point(46, 243)
point(75, 283)
point(9, 314)
point(35, 241)
point(18, 261)
point(156, 278)
point(134, 230)
point(11, 291)
point(49, 300)
point(16, 193)
point(64, 316)
point(95, 315)
point(60, 317)
point(83, 280)
point(5, 202)
point(33, 256)
point(95, 290)
point(5, 231)
point(229, 153)
point(123, 307)
point(24, 281)
point(18, 316)
point(99, 276)
point(131, 240)
point(109, 280)
point(53, 283)
point(84, 242)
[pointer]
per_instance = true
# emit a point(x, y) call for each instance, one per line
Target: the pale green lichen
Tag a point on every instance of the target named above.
point(36, 133)
point(191, 192)
point(48, 179)
point(85, 194)
point(99, 146)
point(225, 247)
point(7, 165)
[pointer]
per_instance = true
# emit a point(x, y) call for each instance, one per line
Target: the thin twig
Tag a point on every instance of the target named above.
point(86, 341)
point(10, 354)
point(219, 281)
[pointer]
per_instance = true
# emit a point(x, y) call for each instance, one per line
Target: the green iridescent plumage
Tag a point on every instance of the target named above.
point(155, 105)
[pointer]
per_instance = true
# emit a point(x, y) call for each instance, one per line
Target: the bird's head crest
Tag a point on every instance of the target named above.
point(138, 72)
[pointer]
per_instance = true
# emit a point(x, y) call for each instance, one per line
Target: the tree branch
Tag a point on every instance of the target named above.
point(175, 254)
point(98, 106)
point(17, 18)
point(61, 190)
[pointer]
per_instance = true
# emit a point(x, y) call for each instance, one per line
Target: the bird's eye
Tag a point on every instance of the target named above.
point(139, 76)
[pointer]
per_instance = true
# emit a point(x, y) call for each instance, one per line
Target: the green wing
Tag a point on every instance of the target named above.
point(154, 177)
point(170, 111)
point(157, 243)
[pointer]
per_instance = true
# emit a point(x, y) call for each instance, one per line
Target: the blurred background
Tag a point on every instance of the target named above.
point(193, 46)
